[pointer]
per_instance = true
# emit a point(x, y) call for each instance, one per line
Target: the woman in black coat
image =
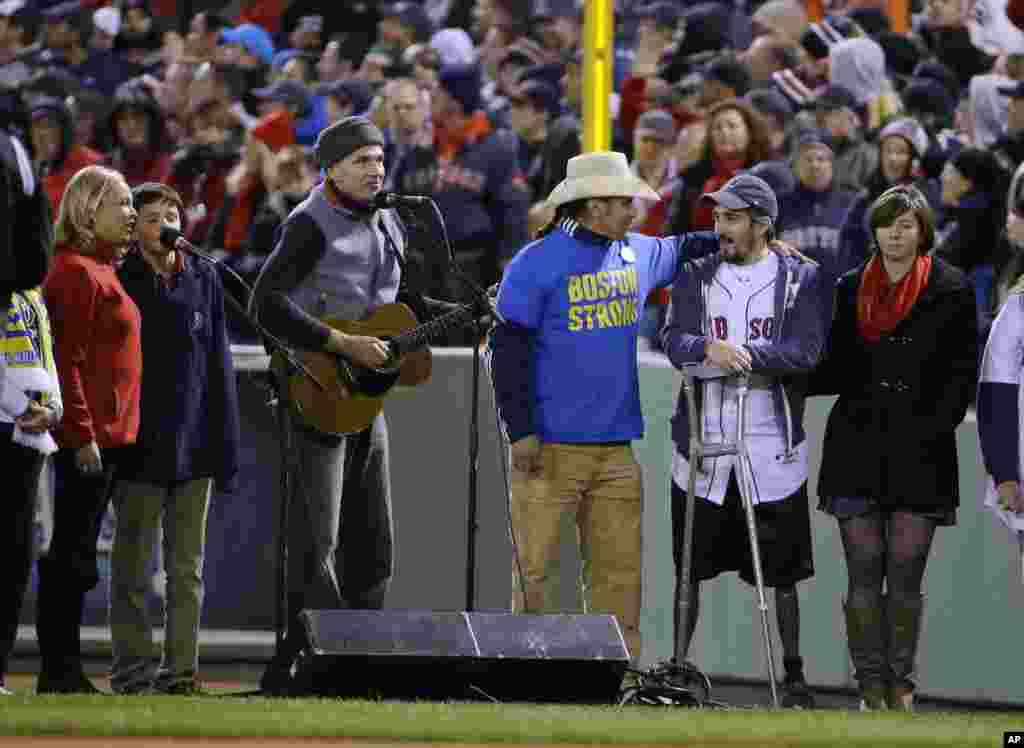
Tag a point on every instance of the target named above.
point(902, 357)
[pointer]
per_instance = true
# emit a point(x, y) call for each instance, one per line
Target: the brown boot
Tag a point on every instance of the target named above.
point(904, 623)
point(865, 634)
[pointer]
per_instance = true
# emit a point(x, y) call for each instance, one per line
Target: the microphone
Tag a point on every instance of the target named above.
point(172, 237)
point(393, 200)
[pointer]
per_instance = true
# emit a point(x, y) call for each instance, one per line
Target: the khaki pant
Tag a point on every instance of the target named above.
point(139, 508)
point(600, 487)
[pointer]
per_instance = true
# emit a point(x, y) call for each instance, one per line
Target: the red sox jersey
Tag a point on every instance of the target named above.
point(740, 309)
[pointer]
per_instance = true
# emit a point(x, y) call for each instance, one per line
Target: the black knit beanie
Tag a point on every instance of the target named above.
point(979, 166)
point(345, 137)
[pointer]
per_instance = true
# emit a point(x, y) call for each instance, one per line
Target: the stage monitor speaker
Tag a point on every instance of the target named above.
point(459, 655)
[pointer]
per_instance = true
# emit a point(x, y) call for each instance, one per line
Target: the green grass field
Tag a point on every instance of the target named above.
point(489, 723)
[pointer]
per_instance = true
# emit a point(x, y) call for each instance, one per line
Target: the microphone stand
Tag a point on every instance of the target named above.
point(284, 427)
point(482, 302)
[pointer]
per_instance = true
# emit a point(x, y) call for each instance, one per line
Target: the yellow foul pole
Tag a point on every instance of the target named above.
point(598, 22)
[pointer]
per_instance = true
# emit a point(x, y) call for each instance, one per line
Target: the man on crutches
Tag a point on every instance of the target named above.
point(762, 318)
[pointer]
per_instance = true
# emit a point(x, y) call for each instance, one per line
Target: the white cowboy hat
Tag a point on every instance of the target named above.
point(599, 174)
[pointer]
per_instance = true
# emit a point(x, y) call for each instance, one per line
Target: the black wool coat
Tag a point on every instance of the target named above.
point(890, 436)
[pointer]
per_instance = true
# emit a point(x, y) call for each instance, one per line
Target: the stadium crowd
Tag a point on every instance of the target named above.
point(479, 104)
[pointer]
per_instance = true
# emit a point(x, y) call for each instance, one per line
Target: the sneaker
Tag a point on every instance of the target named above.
point(136, 687)
point(178, 686)
point(872, 698)
point(5, 691)
point(69, 683)
point(277, 679)
point(796, 695)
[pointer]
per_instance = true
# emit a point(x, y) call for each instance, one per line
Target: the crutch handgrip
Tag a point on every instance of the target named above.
point(704, 371)
point(718, 449)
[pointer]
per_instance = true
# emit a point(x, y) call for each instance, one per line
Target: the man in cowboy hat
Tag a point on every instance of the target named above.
point(565, 375)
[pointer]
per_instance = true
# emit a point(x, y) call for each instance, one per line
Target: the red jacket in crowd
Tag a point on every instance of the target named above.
point(56, 181)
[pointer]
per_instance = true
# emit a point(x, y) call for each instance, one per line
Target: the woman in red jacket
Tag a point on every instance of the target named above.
point(99, 364)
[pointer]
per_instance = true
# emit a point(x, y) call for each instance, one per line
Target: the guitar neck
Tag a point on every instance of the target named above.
point(419, 336)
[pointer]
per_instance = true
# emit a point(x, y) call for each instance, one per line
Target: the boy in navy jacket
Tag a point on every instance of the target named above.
point(188, 440)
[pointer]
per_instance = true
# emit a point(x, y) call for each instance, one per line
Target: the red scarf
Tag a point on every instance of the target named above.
point(723, 169)
point(881, 305)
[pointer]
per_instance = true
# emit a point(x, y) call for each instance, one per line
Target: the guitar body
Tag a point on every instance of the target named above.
point(353, 395)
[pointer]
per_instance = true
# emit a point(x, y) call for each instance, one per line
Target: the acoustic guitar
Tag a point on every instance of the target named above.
point(339, 397)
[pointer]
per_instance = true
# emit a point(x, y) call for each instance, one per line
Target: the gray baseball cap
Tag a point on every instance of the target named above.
point(747, 191)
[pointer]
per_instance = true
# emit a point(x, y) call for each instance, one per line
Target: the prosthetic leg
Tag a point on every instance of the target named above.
point(699, 449)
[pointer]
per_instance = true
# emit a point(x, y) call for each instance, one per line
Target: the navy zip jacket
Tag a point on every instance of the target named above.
point(483, 196)
point(810, 221)
point(804, 301)
point(190, 421)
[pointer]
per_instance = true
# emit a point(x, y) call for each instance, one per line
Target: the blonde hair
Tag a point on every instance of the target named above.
point(82, 198)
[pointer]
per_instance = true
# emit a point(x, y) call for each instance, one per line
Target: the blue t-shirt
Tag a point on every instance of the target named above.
point(582, 296)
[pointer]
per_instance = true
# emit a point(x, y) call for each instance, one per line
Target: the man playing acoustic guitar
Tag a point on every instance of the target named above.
point(336, 256)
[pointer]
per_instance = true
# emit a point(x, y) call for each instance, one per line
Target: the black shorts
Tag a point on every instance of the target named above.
point(720, 539)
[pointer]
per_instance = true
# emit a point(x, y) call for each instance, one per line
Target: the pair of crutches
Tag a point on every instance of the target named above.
point(699, 450)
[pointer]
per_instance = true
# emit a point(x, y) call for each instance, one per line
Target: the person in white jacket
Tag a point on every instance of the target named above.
point(999, 389)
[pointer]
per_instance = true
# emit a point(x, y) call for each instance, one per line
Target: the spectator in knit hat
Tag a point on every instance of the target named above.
point(858, 65)
point(835, 111)
point(532, 107)
point(817, 39)
point(480, 189)
point(901, 145)
point(812, 214)
point(945, 34)
point(974, 189)
point(928, 101)
point(724, 78)
point(935, 71)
